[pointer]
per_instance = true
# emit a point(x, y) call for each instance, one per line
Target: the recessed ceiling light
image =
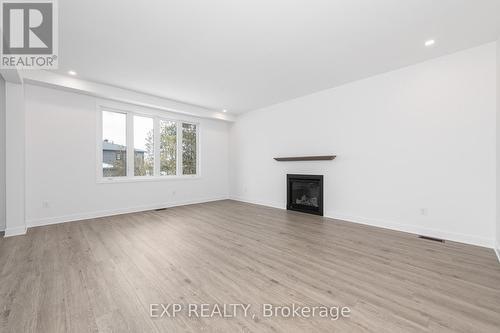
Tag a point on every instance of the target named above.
point(430, 42)
point(72, 73)
point(224, 110)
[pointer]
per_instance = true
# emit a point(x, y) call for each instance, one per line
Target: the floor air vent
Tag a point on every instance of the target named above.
point(431, 238)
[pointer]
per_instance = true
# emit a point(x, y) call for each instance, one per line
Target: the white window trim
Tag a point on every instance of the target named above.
point(157, 116)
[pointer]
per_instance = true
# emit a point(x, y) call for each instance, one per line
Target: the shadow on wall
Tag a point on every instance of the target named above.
point(2, 154)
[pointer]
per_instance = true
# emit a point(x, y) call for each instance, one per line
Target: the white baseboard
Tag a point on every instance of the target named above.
point(92, 215)
point(456, 237)
point(473, 240)
point(497, 251)
point(260, 203)
point(413, 229)
point(18, 231)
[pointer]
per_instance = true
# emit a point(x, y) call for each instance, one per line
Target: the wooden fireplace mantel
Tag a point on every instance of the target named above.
point(306, 158)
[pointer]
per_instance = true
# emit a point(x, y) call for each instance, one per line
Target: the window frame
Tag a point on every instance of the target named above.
point(157, 116)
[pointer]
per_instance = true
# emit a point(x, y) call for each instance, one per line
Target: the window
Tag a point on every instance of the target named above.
point(147, 146)
point(168, 148)
point(114, 144)
point(189, 149)
point(143, 146)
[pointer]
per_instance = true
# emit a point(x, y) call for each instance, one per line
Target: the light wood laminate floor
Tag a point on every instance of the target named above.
point(101, 275)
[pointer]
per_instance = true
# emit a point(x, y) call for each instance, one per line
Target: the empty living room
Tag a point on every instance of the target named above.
point(249, 166)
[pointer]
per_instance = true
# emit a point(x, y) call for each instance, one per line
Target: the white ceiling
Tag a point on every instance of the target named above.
point(242, 55)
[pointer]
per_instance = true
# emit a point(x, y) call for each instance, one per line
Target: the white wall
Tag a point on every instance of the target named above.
point(416, 148)
point(61, 164)
point(2, 154)
point(15, 157)
point(498, 151)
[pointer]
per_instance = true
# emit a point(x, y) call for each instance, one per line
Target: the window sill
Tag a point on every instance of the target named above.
point(112, 180)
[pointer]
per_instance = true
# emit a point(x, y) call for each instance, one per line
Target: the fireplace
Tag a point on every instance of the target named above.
point(305, 193)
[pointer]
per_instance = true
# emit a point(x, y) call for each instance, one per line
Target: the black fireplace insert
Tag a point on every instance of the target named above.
point(305, 193)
